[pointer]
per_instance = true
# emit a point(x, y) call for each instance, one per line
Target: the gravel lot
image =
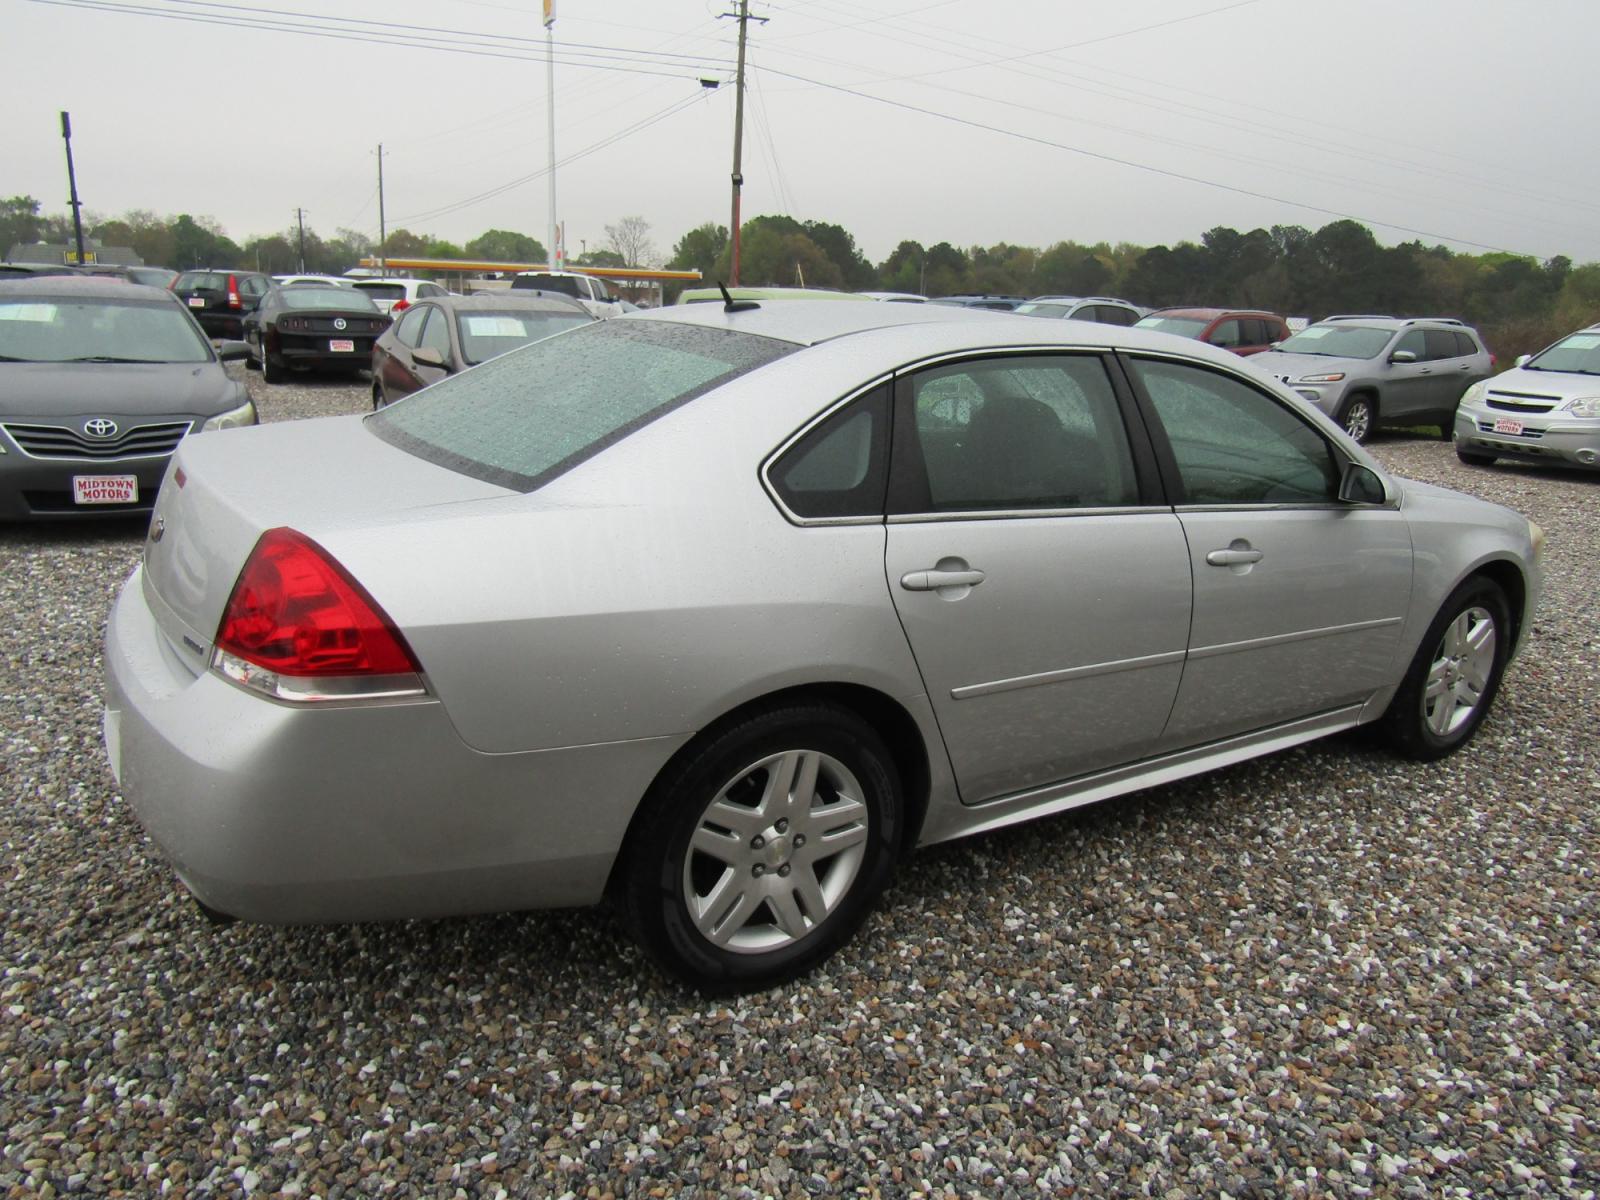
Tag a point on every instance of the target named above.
point(1326, 973)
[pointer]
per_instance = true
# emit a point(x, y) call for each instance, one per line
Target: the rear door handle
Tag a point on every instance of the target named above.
point(1233, 557)
point(928, 581)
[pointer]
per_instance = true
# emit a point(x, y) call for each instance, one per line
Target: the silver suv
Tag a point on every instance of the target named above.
point(1546, 409)
point(1367, 371)
point(1107, 310)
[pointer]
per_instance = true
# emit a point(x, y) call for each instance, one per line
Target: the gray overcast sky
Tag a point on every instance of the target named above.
point(1462, 120)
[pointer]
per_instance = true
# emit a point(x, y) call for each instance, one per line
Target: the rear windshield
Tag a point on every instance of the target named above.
point(342, 299)
point(215, 280)
point(1338, 341)
point(567, 285)
point(56, 329)
point(486, 335)
point(1182, 326)
point(383, 291)
point(525, 417)
point(1577, 355)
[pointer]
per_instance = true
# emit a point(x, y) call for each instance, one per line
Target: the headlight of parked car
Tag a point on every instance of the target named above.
point(1474, 394)
point(1584, 406)
point(1536, 536)
point(1334, 378)
point(245, 414)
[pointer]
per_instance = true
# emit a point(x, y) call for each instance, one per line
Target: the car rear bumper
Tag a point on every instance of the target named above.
point(220, 324)
point(292, 814)
point(1574, 443)
point(316, 353)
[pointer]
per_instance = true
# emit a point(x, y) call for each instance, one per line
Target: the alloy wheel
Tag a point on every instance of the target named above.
point(1461, 670)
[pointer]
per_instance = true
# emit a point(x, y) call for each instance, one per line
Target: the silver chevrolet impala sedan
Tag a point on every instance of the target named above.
point(718, 611)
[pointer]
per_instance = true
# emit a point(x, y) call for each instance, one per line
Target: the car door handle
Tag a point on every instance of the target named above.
point(1233, 557)
point(927, 581)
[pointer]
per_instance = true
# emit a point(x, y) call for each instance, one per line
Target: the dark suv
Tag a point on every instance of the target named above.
point(220, 298)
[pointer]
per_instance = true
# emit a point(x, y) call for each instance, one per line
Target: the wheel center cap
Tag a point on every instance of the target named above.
point(777, 851)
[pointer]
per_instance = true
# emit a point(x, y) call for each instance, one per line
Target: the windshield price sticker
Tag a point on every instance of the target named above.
point(105, 489)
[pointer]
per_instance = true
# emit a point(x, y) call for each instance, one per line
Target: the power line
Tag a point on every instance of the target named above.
point(1138, 166)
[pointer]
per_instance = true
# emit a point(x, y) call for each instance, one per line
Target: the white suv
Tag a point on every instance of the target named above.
point(588, 291)
point(1545, 409)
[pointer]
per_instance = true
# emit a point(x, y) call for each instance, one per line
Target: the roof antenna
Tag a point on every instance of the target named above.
point(729, 304)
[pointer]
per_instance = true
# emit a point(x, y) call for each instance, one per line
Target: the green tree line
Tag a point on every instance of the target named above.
point(1518, 302)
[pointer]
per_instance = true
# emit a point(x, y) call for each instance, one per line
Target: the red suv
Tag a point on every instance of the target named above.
point(1244, 331)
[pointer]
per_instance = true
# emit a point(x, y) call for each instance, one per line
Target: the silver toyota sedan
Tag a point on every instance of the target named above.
point(718, 611)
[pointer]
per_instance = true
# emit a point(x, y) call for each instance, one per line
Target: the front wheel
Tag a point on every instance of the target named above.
point(1474, 459)
point(1453, 679)
point(757, 856)
point(1358, 418)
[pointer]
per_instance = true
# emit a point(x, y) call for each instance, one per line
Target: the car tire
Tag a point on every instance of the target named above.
point(1474, 459)
point(1358, 417)
point(377, 395)
point(731, 880)
point(1453, 679)
point(271, 372)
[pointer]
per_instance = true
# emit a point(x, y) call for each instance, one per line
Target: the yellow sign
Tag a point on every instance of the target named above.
point(549, 13)
point(71, 256)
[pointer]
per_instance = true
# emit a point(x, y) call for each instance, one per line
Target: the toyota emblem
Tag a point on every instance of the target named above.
point(339, 322)
point(100, 427)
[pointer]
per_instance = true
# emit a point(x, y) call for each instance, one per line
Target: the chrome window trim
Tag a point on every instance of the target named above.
point(764, 471)
point(1018, 514)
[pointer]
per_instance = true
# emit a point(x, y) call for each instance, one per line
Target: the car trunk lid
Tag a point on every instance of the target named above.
point(222, 493)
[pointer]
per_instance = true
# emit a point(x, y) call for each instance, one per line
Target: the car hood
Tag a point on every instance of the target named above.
point(330, 479)
point(1278, 364)
point(43, 390)
point(1523, 384)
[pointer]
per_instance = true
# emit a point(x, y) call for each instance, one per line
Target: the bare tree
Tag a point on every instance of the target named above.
point(630, 237)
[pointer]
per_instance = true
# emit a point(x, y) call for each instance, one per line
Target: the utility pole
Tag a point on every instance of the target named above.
point(383, 232)
point(553, 252)
point(744, 18)
point(300, 219)
point(72, 185)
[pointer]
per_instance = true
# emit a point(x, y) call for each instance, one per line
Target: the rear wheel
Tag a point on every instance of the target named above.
point(377, 395)
point(1358, 417)
point(1453, 679)
point(271, 372)
point(755, 857)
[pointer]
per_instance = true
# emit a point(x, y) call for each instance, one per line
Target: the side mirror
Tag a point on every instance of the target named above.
point(428, 357)
point(1361, 485)
point(1524, 359)
point(1403, 356)
point(233, 351)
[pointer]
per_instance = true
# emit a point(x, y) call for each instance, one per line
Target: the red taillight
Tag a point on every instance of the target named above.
point(233, 292)
point(295, 611)
point(400, 306)
point(1494, 360)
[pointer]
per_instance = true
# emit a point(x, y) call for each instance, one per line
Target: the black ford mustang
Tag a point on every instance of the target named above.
point(298, 325)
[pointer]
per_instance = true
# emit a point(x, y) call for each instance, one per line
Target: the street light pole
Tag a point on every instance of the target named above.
point(72, 185)
point(553, 252)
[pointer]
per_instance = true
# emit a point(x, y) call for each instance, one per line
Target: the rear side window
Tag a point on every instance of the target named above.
point(839, 468)
point(523, 418)
point(1465, 345)
point(1442, 343)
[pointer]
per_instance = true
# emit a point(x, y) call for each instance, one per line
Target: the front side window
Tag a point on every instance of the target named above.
point(1234, 445)
point(1037, 432)
point(436, 333)
point(1413, 341)
point(523, 418)
point(1227, 335)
